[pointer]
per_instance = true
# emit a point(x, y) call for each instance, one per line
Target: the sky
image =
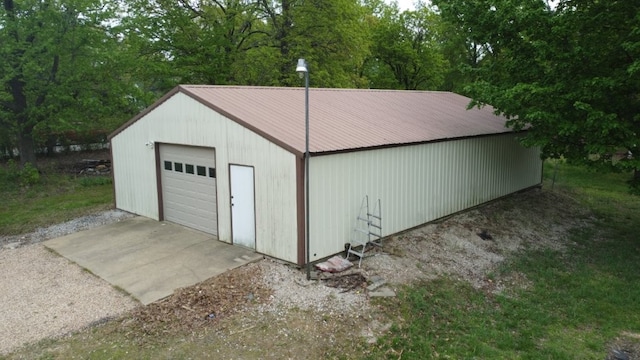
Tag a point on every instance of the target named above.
point(404, 4)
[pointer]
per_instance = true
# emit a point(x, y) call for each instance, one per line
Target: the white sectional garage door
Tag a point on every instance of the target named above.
point(188, 177)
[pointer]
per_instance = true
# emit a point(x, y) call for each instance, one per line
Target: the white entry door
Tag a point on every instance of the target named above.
point(243, 220)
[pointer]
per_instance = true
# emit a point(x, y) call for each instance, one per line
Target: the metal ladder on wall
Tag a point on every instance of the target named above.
point(368, 229)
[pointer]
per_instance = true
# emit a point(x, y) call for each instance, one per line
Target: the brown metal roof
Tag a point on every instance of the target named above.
point(346, 119)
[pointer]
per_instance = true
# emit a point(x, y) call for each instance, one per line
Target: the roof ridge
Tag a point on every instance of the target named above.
point(265, 87)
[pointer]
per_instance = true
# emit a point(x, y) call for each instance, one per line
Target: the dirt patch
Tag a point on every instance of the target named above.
point(455, 246)
point(204, 304)
point(625, 347)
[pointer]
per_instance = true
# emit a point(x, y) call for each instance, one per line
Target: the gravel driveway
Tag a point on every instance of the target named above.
point(44, 295)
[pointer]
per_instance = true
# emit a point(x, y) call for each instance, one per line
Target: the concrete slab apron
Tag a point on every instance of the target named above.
point(150, 259)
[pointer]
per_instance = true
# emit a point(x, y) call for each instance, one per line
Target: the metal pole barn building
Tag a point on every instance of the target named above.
point(229, 161)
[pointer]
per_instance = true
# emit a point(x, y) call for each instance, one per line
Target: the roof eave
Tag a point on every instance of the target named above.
point(387, 146)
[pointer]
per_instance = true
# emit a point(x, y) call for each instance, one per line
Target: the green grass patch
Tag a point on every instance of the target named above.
point(579, 303)
point(607, 194)
point(53, 199)
point(89, 181)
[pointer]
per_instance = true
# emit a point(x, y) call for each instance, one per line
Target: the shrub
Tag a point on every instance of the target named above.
point(29, 175)
point(13, 174)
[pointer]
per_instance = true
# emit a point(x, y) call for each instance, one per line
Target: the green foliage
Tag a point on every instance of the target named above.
point(53, 199)
point(28, 175)
point(577, 303)
point(13, 175)
point(569, 73)
point(255, 43)
point(406, 52)
point(89, 181)
point(61, 71)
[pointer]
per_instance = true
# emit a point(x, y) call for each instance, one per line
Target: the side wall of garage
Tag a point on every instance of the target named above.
point(416, 184)
point(182, 120)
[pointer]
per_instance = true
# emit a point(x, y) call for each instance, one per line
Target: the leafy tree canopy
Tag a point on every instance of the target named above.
point(247, 42)
point(406, 52)
point(60, 70)
point(569, 73)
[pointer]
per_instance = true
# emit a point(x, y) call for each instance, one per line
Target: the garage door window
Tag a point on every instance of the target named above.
point(189, 169)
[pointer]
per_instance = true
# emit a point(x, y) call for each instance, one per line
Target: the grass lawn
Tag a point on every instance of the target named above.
point(55, 198)
point(579, 303)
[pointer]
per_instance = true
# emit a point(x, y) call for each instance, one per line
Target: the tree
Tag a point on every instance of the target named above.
point(330, 35)
point(406, 52)
point(58, 69)
point(194, 42)
point(569, 74)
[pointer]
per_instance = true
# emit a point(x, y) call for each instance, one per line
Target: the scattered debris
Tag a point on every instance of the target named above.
point(376, 282)
point(203, 304)
point(484, 235)
point(620, 355)
point(335, 264)
point(93, 167)
point(346, 282)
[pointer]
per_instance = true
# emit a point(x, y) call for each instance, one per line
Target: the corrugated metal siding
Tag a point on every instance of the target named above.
point(183, 120)
point(416, 184)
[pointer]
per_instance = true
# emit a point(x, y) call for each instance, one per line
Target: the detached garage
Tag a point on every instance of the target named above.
point(229, 161)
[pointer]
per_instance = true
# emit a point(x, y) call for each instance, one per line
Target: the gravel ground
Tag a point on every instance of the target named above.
point(44, 295)
point(291, 289)
point(66, 228)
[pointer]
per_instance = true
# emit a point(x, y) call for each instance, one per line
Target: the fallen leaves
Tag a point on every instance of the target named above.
point(204, 304)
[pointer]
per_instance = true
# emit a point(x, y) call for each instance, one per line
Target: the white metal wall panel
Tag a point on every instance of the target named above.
point(416, 184)
point(183, 120)
point(189, 186)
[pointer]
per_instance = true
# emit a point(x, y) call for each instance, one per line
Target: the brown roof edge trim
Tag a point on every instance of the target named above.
point(387, 146)
point(300, 209)
point(156, 150)
point(113, 176)
point(234, 118)
point(144, 112)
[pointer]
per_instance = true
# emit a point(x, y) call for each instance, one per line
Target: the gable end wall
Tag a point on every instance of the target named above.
point(184, 121)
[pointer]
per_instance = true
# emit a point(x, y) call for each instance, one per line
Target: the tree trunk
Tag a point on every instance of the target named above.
point(51, 144)
point(27, 149)
point(282, 39)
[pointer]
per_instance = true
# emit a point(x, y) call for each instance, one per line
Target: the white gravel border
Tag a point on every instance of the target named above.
point(82, 223)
